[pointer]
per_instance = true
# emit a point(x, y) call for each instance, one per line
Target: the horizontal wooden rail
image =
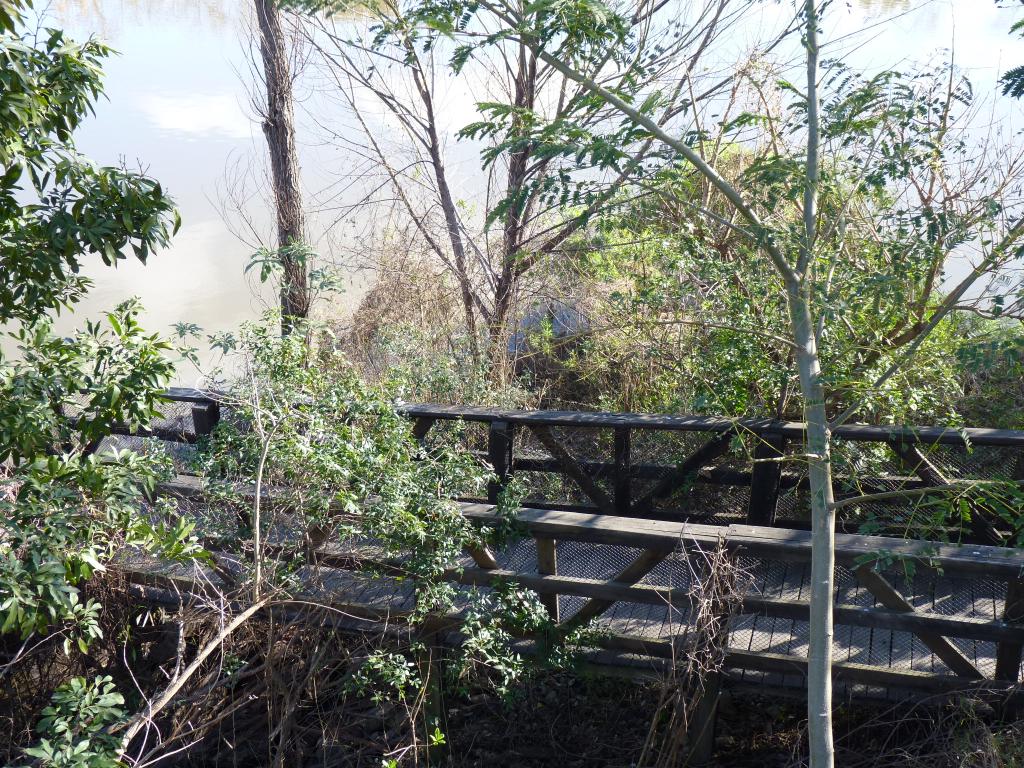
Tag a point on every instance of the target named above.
point(620, 485)
point(604, 529)
point(793, 430)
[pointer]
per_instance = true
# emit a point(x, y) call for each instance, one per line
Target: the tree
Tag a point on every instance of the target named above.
point(576, 164)
point(278, 113)
point(64, 510)
point(786, 207)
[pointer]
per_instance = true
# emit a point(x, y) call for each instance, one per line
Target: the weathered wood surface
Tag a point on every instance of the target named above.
point(937, 631)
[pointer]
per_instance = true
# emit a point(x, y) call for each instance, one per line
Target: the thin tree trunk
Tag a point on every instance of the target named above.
point(818, 449)
point(451, 215)
point(818, 438)
point(279, 130)
point(513, 261)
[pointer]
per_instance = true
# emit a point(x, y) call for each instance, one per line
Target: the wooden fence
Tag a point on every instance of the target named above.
point(587, 563)
point(525, 443)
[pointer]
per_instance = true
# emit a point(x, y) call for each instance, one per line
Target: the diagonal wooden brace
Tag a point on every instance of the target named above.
point(483, 557)
point(889, 597)
point(573, 470)
point(704, 455)
point(912, 458)
point(630, 575)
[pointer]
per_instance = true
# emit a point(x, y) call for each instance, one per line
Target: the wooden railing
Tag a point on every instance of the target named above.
point(652, 542)
point(621, 486)
point(618, 520)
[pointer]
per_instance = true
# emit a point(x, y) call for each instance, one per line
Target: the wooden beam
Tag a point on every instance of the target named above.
point(886, 618)
point(603, 529)
point(766, 478)
point(1008, 653)
point(547, 565)
point(793, 430)
point(664, 488)
point(851, 550)
point(573, 470)
point(887, 595)
point(865, 673)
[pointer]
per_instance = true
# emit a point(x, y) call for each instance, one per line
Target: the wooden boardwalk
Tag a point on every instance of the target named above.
point(620, 537)
point(588, 566)
point(787, 581)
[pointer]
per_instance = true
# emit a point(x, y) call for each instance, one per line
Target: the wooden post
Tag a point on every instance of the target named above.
point(499, 454)
point(701, 736)
point(421, 426)
point(765, 479)
point(205, 417)
point(434, 709)
point(547, 565)
point(1008, 653)
point(623, 490)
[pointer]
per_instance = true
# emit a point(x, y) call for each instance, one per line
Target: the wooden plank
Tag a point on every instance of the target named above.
point(792, 430)
point(572, 469)
point(547, 565)
point(893, 600)
point(866, 674)
point(631, 574)
point(766, 479)
point(664, 488)
point(604, 529)
point(973, 559)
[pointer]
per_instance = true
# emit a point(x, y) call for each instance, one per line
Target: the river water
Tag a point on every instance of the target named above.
point(177, 102)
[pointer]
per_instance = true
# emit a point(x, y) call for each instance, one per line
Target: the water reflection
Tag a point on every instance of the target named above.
point(110, 20)
point(176, 105)
point(885, 6)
